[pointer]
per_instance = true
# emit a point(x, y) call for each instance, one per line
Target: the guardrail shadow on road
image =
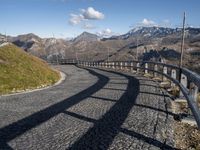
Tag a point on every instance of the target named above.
point(105, 129)
point(19, 127)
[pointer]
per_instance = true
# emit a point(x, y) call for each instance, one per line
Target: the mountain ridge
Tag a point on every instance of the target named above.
point(88, 46)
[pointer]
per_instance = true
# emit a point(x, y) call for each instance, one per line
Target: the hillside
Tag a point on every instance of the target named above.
point(20, 70)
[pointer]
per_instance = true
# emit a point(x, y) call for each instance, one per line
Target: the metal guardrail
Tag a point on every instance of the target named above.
point(187, 81)
point(62, 61)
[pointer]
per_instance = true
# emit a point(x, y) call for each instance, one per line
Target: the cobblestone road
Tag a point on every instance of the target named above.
point(91, 109)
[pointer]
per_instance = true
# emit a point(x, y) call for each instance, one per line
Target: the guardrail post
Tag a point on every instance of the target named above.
point(146, 68)
point(164, 72)
point(156, 69)
point(113, 65)
point(184, 82)
point(138, 67)
point(125, 65)
point(131, 67)
point(194, 91)
point(173, 75)
point(121, 65)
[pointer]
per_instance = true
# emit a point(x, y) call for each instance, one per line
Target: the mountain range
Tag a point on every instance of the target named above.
point(149, 42)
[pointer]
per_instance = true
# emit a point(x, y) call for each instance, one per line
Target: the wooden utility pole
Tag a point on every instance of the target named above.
point(183, 42)
point(137, 50)
point(6, 39)
point(108, 54)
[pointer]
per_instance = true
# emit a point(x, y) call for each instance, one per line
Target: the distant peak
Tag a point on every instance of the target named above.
point(87, 33)
point(86, 36)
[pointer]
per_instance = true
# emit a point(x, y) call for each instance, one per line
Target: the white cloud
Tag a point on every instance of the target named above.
point(76, 19)
point(105, 33)
point(91, 14)
point(147, 22)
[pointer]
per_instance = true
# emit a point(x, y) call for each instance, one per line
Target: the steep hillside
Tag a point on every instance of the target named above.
point(20, 70)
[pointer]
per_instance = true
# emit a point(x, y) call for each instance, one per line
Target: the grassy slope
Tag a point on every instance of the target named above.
point(20, 71)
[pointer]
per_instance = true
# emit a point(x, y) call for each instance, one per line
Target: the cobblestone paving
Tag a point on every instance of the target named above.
point(91, 109)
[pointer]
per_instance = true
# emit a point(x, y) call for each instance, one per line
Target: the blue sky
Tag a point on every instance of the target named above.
point(68, 18)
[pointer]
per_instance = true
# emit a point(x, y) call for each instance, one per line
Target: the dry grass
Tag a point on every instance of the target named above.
point(187, 136)
point(20, 71)
point(175, 91)
point(148, 75)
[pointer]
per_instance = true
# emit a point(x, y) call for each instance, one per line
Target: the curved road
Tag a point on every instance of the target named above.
point(91, 109)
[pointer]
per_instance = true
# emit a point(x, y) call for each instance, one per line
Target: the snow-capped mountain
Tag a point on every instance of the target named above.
point(156, 32)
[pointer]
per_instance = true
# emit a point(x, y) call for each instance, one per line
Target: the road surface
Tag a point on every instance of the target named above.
point(91, 109)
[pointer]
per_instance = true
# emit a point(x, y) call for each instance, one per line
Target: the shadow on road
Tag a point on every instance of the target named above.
point(15, 129)
point(102, 134)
